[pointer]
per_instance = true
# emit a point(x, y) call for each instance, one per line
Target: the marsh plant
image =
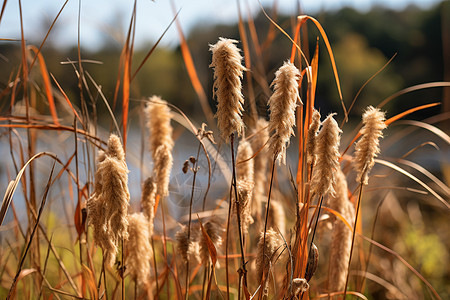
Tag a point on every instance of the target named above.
point(291, 223)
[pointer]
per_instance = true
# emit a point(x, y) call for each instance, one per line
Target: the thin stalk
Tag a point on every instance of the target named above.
point(135, 288)
point(353, 237)
point(165, 247)
point(317, 221)
point(123, 272)
point(194, 169)
point(226, 247)
point(104, 279)
point(267, 217)
point(154, 261)
point(205, 274)
point(242, 271)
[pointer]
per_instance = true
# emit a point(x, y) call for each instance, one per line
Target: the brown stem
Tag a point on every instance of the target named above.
point(266, 219)
point(194, 169)
point(226, 247)
point(353, 237)
point(242, 271)
point(123, 272)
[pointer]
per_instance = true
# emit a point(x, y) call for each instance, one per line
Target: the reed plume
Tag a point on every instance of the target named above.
point(277, 217)
point(244, 167)
point(261, 133)
point(299, 285)
point(267, 249)
point(282, 106)
point(245, 189)
point(162, 168)
point(158, 123)
point(108, 205)
point(327, 153)
point(227, 88)
point(311, 141)
point(138, 247)
point(189, 248)
point(148, 202)
point(367, 148)
point(341, 241)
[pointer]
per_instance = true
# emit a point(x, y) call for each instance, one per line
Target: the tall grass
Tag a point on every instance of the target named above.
point(303, 228)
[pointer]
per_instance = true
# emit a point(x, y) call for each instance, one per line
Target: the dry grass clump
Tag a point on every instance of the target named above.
point(283, 255)
point(227, 89)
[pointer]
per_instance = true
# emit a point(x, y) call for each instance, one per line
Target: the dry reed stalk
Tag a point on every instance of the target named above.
point(327, 154)
point(138, 249)
point(342, 235)
point(227, 89)
point(269, 242)
point(148, 202)
point(282, 104)
point(260, 165)
point(367, 148)
point(108, 205)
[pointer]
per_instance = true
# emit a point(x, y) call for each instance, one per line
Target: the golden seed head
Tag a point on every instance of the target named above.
point(227, 88)
point(138, 248)
point(282, 105)
point(327, 154)
point(367, 148)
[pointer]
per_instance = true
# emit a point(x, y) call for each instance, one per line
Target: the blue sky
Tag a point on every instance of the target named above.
point(107, 19)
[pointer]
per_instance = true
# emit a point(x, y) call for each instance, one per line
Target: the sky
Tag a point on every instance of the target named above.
point(107, 20)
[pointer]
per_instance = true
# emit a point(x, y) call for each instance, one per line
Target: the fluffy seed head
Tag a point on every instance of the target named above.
point(282, 106)
point(311, 141)
point(138, 247)
point(148, 202)
point(273, 242)
point(162, 168)
point(277, 217)
point(227, 88)
point(299, 285)
point(158, 122)
point(189, 248)
point(260, 164)
point(214, 230)
point(367, 148)
point(341, 242)
point(244, 170)
point(245, 189)
point(108, 205)
point(327, 154)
